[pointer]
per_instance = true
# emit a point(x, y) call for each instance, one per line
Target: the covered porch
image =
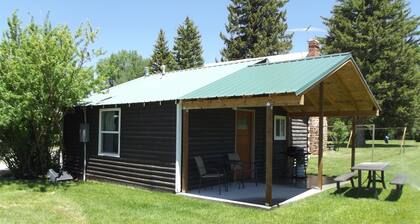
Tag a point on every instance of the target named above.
point(327, 86)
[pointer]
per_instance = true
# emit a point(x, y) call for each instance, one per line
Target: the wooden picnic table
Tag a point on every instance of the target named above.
point(372, 168)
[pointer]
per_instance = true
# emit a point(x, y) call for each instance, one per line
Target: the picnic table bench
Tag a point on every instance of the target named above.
point(372, 168)
point(399, 181)
point(345, 177)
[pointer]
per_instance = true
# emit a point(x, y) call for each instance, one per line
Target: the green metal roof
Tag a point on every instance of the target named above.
point(293, 76)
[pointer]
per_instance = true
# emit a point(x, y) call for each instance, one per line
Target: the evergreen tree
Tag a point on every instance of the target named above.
point(187, 49)
point(383, 38)
point(256, 28)
point(161, 55)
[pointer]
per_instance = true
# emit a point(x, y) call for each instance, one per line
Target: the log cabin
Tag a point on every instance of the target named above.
point(146, 132)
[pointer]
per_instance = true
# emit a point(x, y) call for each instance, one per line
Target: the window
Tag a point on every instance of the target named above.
point(242, 123)
point(279, 127)
point(109, 132)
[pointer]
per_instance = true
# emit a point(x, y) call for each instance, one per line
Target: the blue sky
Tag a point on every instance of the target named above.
point(134, 25)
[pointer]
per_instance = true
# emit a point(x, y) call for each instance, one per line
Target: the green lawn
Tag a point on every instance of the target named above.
point(94, 202)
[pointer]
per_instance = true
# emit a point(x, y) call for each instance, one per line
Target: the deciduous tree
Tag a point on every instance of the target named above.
point(122, 66)
point(43, 73)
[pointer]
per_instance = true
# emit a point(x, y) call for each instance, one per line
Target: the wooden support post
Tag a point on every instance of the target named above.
point(269, 156)
point(353, 141)
point(373, 140)
point(349, 141)
point(403, 139)
point(321, 134)
point(185, 150)
point(373, 135)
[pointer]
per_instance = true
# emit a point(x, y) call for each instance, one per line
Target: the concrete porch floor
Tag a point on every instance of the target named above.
point(284, 191)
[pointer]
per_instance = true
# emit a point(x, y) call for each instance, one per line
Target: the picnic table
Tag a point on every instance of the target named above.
point(372, 168)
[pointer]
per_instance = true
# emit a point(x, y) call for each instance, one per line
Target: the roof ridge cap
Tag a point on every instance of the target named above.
point(304, 59)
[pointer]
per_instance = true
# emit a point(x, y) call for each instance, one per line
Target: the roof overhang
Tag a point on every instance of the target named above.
point(346, 93)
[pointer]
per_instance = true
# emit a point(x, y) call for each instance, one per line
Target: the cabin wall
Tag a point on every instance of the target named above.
point(211, 136)
point(280, 159)
point(147, 146)
point(148, 135)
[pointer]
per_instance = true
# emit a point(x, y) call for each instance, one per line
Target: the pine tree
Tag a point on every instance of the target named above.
point(187, 49)
point(256, 28)
point(161, 55)
point(382, 37)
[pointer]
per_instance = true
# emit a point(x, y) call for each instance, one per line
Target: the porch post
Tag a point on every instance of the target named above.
point(269, 155)
point(353, 141)
point(178, 148)
point(185, 150)
point(321, 134)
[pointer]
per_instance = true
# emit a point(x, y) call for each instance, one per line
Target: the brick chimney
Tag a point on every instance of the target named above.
point(313, 122)
point(313, 48)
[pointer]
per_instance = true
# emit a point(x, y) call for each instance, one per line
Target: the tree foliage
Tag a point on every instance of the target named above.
point(122, 66)
point(256, 28)
point(188, 52)
point(161, 55)
point(43, 72)
point(382, 36)
point(339, 133)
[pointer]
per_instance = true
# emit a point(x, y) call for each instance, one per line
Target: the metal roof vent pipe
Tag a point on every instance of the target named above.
point(146, 71)
point(314, 48)
point(162, 68)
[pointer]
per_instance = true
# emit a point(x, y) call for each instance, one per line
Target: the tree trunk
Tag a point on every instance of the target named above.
point(360, 138)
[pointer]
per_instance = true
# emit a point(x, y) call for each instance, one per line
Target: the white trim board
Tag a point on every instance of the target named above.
point(178, 159)
point(100, 132)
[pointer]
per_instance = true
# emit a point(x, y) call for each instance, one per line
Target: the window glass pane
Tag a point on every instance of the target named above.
point(110, 121)
point(242, 122)
point(277, 131)
point(110, 143)
point(282, 127)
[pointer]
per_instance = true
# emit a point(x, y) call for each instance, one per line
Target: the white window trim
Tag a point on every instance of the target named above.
point(279, 117)
point(100, 132)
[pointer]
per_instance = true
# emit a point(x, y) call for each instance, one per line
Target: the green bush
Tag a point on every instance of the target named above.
point(339, 133)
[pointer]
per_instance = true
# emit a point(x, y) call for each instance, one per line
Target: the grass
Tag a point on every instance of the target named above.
point(95, 202)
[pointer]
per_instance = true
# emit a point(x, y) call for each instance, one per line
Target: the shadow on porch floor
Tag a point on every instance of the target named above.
point(283, 190)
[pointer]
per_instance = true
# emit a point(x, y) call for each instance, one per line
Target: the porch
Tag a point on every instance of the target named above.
point(284, 190)
point(334, 87)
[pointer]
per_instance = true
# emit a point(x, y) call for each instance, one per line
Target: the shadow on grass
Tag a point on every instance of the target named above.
point(38, 185)
point(354, 192)
point(394, 195)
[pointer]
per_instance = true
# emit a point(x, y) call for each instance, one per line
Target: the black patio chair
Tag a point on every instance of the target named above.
point(204, 174)
point(237, 166)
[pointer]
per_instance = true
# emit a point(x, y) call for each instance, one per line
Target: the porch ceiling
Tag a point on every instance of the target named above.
point(345, 94)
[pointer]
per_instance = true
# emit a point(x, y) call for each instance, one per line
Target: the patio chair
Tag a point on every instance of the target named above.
point(237, 166)
point(204, 174)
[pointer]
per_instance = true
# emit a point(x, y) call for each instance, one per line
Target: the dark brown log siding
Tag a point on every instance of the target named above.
point(212, 136)
point(280, 159)
point(147, 153)
point(147, 147)
point(299, 132)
